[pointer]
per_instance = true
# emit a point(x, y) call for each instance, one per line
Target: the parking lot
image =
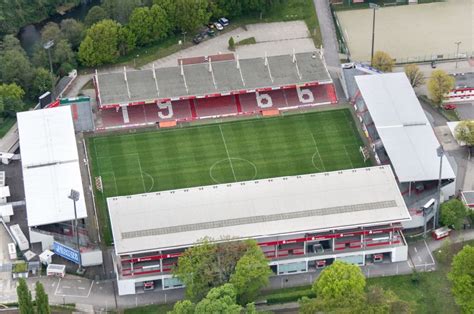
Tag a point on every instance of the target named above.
point(272, 38)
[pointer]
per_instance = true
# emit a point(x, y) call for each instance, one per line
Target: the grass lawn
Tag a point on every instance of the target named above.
point(149, 309)
point(6, 125)
point(247, 41)
point(259, 148)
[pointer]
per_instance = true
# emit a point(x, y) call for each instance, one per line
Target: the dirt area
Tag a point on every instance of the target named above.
point(410, 31)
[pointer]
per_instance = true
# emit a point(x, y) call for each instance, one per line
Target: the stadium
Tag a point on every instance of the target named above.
point(219, 146)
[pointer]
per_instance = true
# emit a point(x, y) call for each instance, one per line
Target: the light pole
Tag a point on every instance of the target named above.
point(74, 196)
point(457, 52)
point(48, 47)
point(440, 153)
point(184, 37)
point(374, 7)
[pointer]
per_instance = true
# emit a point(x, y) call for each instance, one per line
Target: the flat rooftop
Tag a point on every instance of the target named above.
point(50, 165)
point(406, 133)
point(253, 209)
point(197, 79)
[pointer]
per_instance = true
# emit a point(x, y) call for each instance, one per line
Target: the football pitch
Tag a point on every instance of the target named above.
point(135, 163)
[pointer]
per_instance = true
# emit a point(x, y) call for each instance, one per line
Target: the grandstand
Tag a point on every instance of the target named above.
point(212, 86)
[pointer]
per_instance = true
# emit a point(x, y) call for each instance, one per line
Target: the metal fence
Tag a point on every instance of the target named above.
point(436, 57)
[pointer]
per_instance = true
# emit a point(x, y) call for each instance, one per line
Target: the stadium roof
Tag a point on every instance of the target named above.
point(405, 131)
point(50, 165)
point(122, 88)
point(252, 209)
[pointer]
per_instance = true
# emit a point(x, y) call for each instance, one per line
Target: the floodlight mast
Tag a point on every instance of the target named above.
point(74, 196)
point(374, 7)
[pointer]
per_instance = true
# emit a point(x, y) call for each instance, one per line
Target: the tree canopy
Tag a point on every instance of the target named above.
point(72, 31)
point(414, 74)
point(41, 299)
point(439, 84)
point(462, 278)
point(25, 302)
point(100, 44)
point(383, 61)
point(453, 213)
point(219, 300)
point(95, 14)
point(464, 132)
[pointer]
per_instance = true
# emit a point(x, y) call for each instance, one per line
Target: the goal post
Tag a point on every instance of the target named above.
point(98, 184)
point(365, 153)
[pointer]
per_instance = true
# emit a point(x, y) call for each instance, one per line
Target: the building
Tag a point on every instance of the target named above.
point(50, 166)
point(400, 134)
point(210, 87)
point(300, 222)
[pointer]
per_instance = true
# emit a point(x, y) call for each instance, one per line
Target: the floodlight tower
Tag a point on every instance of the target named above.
point(74, 196)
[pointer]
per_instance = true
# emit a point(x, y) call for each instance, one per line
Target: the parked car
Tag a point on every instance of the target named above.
point(223, 21)
point(449, 106)
point(218, 26)
point(198, 38)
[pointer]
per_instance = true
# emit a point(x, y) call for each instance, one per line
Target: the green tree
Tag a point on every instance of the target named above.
point(379, 300)
point(462, 278)
point(120, 10)
point(439, 84)
point(191, 14)
point(95, 14)
point(464, 132)
point(42, 81)
point(63, 53)
point(73, 31)
point(383, 61)
point(207, 265)
point(11, 97)
point(10, 42)
point(126, 41)
point(414, 74)
point(169, 6)
point(162, 26)
point(41, 299)
point(141, 24)
point(251, 274)
point(15, 68)
point(453, 213)
point(100, 44)
point(340, 285)
point(25, 303)
point(183, 307)
point(231, 43)
point(219, 300)
point(39, 58)
point(49, 32)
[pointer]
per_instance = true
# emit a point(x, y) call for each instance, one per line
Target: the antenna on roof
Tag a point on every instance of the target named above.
point(212, 73)
point(268, 67)
point(126, 81)
point(154, 77)
point(240, 70)
point(182, 74)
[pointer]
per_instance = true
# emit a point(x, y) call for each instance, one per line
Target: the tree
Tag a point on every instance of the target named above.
point(10, 42)
point(39, 57)
point(15, 68)
point(207, 265)
point(439, 84)
point(100, 44)
point(464, 132)
point(219, 300)
point(41, 299)
point(42, 82)
point(162, 25)
point(126, 41)
point(415, 76)
point(95, 14)
point(183, 307)
point(462, 278)
point(383, 61)
point(141, 24)
point(251, 274)
point(63, 53)
point(453, 213)
point(120, 10)
point(49, 32)
point(25, 303)
point(191, 14)
point(231, 43)
point(340, 285)
point(11, 97)
point(73, 31)
point(169, 6)
point(379, 300)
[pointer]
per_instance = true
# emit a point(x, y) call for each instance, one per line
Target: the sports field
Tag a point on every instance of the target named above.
point(221, 153)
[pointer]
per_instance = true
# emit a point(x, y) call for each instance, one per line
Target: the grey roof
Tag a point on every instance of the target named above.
point(405, 131)
point(464, 80)
point(225, 78)
point(253, 209)
point(468, 197)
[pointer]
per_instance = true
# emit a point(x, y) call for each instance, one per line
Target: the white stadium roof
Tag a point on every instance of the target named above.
point(252, 209)
point(402, 125)
point(50, 165)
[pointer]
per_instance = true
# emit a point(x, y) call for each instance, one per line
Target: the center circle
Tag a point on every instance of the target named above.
point(232, 170)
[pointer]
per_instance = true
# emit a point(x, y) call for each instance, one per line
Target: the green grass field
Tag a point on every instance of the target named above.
point(143, 162)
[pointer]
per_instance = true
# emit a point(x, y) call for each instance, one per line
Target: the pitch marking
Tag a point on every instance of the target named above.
point(152, 181)
point(347, 154)
point(141, 173)
point(226, 159)
point(228, 156)
point(317, 152)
